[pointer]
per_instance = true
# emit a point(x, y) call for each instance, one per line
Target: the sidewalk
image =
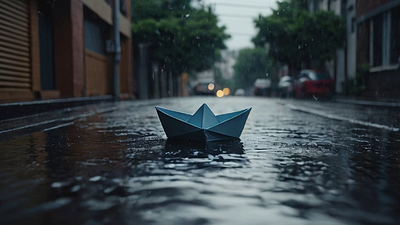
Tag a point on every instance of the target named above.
point(382, 102)
point(21, 109)
point(382, 115)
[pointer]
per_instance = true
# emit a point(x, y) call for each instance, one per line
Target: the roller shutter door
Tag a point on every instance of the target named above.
point(15, 65)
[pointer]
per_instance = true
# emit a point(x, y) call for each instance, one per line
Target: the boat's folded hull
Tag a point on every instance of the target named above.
point(203, 125)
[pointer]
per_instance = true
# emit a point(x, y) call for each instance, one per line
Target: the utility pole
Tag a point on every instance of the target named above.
point(117, 50)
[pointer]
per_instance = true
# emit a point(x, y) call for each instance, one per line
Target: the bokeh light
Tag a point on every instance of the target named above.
point(220, 93)
point(226, 91)
point(211, 86)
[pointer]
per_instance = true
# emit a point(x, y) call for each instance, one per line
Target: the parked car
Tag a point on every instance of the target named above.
point(262, 87)
point(240, 92)
point(314, 83)
point(285, 86)
point(205, 87)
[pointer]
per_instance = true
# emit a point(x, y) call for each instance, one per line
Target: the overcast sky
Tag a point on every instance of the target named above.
point(239, 19)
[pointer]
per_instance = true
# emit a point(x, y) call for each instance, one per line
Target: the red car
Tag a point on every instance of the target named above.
point(314, 83)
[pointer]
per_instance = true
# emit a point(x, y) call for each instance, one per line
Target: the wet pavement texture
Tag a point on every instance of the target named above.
point(112, 164)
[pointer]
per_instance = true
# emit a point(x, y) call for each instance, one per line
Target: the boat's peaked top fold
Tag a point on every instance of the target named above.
point(203, 117)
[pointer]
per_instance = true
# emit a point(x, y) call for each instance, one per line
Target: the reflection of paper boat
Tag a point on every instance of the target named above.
point(203, 125)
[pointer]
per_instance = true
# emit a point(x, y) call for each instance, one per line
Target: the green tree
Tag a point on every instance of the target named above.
point(296, 36)
point(181, 38)
point(300, 4)
point(252, 63)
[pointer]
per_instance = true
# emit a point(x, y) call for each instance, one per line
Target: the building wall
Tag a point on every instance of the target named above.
point(20, 78)
point(104, 12)
point(98, 76)
point(340, 67)
point(383, 84)
point(77, 47)
point(34, 41)
point(365, 6)
point(124, 66)
point(383, 79)
point(68, 48)
point(340, 70)
point(336, 6)
point(351, 39)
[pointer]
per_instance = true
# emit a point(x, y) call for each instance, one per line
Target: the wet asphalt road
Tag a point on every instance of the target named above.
point(297, 162)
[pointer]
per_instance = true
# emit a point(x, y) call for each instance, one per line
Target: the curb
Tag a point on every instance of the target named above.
point(368, 103)
point(341, 118)
point(20, 109)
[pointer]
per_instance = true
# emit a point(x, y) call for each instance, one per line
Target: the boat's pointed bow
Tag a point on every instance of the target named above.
point(174, 114)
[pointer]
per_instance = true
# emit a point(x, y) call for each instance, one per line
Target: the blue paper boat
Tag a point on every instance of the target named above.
point(203, 125)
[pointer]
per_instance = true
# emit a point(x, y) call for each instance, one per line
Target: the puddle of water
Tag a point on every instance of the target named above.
point(117, 167)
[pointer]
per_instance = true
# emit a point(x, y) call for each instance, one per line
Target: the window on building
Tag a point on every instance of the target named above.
point(122, 7)
point(376, 41)
point(395, 37)
point(386, 28)
point(385, 38)
point(94, 33)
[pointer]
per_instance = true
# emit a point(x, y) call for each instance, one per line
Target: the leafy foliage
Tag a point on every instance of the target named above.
point(252, 63)
point(296, 36)
point(181, 37)
point(300, 4)
point(358, 85)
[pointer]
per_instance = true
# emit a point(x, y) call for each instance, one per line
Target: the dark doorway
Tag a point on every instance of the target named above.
point(46, 43)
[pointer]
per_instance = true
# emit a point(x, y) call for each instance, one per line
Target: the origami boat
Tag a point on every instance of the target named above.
point(203, 125)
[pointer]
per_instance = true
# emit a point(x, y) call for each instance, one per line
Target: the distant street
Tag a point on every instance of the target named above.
point(297, 162)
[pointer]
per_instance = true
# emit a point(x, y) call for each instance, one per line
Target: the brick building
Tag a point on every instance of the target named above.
point(57, 49)
point(378, 44)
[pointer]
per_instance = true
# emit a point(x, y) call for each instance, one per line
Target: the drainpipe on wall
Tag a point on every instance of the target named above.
point(143, 71)
point(117, 49)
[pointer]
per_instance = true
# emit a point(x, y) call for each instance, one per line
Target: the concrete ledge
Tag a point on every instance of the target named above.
point(368, 103)
point(20, 109)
